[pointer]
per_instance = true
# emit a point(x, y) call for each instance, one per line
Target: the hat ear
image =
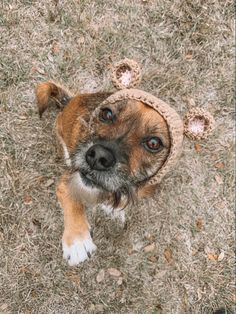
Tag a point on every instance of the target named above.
point(198, 124)
point(126, 74)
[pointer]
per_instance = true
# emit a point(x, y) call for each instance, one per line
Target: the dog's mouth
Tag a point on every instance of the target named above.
point(89, 181)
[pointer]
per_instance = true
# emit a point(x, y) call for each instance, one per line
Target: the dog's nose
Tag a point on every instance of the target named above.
point(100, 157)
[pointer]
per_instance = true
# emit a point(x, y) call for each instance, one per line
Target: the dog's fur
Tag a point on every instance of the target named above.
point(79, 129)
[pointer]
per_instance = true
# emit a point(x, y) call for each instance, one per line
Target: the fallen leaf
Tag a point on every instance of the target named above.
point(22, 117)
point(220, 165)
point(119, 292)
point(212, 257)
point(218, 179)
point(27, 312)
point(114, 272)
point(168, 255)
point(198, 147)
point(40, 179)
point(221, 256)
point(152, 259)
point(49, 182)
point(27, 200)
point(149, 248)
point(120, 281)
point(159, 307)
point(199, 224)
point(234, 298)
point(25, 270)
point(100, 276)
point(55, 48)
point(189, 55)
point(191, 102)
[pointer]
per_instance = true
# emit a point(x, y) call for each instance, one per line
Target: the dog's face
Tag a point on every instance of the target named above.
point(120, 145)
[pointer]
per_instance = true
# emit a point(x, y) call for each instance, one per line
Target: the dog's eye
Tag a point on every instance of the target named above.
point(106, 115)
point(153, 144)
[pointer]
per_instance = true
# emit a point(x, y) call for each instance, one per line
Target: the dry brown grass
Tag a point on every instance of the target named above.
point(186, 50)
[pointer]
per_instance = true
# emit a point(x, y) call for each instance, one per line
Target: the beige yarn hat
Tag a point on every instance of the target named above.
point(197, 123)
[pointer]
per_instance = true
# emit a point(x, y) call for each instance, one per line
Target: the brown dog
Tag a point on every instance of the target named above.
point(110, 151)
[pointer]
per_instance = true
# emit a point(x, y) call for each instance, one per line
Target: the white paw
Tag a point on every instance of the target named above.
point(78, 251)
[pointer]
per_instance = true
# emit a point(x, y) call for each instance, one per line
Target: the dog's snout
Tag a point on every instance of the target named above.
point(100, 157)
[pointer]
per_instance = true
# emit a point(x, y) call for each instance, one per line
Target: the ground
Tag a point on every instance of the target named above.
point(186, 50)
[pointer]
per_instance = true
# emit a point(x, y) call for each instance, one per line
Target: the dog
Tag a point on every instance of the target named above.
point(111, 151)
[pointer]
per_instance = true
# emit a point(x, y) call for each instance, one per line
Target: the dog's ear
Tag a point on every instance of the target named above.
point(48, 93)
point(198, 124)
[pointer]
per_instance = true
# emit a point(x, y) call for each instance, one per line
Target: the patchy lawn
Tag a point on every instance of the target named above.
point(186, 49)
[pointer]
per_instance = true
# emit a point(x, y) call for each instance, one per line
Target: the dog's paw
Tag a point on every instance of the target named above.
point(78, 251)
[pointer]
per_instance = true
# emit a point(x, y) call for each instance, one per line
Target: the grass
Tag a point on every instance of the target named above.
point(186, 50)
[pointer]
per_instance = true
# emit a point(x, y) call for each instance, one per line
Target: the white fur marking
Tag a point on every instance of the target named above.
point(115, 213)
point(66, 154)
point(79, 251)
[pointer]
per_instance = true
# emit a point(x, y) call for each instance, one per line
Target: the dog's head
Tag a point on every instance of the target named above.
point(121, 141)
point(120, 146)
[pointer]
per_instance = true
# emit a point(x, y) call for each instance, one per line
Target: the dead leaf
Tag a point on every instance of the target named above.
point(220, 165)
point(168, 255)
point(22, 117)
point(55, 48)
point(49, 182)
point(152, 259)
point(114, 272)
point(40, 179)
point(221, 256)
point(120, 281)
point(27, 200)
point(149, 248)
point(27, 312)
point(199, 224)
point(119, 292)
point(218, 179)
point(191, 102)
point(212, 257)
point(189, 56)
point(234, 298)
point(198, 147)
point(100, 276)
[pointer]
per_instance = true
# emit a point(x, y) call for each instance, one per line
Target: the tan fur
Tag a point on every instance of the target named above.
point(75, 221)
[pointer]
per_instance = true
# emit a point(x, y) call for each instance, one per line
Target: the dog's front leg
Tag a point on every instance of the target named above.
point(76, 241)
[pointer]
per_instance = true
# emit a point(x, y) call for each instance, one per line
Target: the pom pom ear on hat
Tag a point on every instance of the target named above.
point(198, 124)
point(126, 74)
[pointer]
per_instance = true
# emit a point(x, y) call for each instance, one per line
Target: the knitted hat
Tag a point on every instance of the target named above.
point(197, 123)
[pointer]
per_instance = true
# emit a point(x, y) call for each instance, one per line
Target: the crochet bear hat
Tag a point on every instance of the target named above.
point(197, 124)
